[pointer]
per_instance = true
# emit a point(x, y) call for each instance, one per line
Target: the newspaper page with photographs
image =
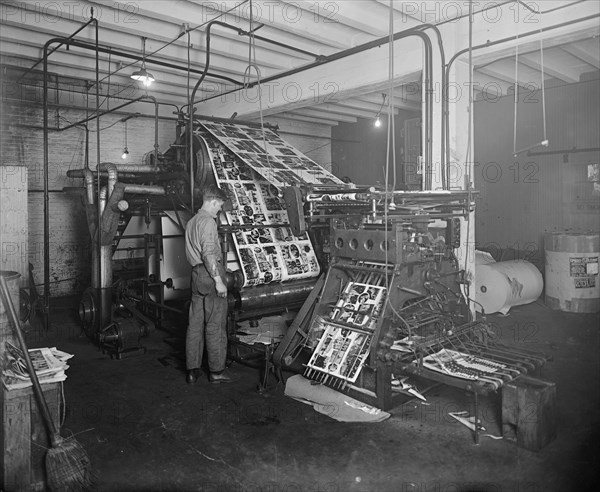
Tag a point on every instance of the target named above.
point(342, 350)
point(267, 254)
point(49, 364)
point(281, 165)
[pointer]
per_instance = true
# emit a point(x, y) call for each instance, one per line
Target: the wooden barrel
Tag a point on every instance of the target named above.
point(572, 271)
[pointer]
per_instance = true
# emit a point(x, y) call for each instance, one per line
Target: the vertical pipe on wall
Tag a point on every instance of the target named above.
point(102, 200)
point(46, 197)
point(101, 275)
point(89, 185)
point(444, 177)
point(46, 307)
point(111, 168)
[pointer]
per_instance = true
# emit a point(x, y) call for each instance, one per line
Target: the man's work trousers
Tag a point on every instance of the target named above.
point(207, 320)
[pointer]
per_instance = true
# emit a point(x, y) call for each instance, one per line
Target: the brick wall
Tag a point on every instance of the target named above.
point(13, 221)
point(21, 143)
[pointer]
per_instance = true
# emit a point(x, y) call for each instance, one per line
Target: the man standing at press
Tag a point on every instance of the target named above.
point(208, 309)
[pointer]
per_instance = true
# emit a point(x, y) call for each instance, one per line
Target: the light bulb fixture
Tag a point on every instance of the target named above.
point(377, 122)
point(125, 149)
point(143, 75)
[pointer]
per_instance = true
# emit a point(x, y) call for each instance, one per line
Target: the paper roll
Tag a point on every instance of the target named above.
point(505, 284)
point(483, 258)
point(174, 264)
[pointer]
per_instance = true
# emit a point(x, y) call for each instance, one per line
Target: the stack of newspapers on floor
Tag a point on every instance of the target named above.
point(49, 364)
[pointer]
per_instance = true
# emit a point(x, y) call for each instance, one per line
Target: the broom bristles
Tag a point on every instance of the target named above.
point(68, 466)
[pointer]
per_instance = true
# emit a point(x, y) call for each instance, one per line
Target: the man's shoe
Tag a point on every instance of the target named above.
point(220, 378)
point(191, 376)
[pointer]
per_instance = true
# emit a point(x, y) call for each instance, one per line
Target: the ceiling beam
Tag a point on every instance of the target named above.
point(283, 22)
point(362, 106)
point(222, 54)
point(336, 110)
point(504, 70)
point(587, 52)
point(531, 44)
point(366, 16)
point(63, 63)
point(315, 112)
point(342, 78)
point(493, 87)
point(558, 69)
point(297, 117)
point(408, 97)
point(408, 13)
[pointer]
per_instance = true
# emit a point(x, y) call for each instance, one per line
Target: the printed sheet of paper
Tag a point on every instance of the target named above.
point(282, 165)
point(359, 305)
point(461, 365)
point(341, 352)
point(267, 254)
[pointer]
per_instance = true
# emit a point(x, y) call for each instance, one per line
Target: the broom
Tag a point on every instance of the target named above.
point(67, 463)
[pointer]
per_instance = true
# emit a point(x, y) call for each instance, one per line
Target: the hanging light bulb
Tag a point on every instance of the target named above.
point(143, 75)
point(377, 122)
point(125, 149)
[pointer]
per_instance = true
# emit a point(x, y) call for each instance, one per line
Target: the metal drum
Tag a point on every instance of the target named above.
point(572, 282)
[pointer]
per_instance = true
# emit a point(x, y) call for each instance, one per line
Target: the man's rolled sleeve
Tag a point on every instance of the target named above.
point(211, 249)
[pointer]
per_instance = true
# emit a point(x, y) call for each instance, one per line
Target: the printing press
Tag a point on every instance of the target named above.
point(377, 280)
point(139, 269)
point(394, 301)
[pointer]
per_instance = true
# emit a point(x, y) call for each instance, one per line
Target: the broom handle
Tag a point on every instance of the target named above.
point(12, 313)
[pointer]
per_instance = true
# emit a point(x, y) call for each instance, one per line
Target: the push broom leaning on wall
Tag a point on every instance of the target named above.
point(67, 463)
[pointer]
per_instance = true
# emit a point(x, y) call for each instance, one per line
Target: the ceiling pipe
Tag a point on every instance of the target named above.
point(319, 60)
point(191, 103)
point(428, 69)
point(282, 45)
point(124, 54)
point(144, 98)
point(55, 48)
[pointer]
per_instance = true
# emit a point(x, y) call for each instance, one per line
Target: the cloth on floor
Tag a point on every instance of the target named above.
point(332, 403)
point(267, 330)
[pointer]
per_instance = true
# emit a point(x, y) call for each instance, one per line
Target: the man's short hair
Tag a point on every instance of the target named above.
point(212, 192)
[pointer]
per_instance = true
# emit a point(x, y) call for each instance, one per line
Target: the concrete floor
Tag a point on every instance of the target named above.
point(146, 429)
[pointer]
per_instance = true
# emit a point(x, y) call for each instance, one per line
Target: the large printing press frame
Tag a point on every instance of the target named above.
point(402, 245)
point(406, 242)
point(128, 296)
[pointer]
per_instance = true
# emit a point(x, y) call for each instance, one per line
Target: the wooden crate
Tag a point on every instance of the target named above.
point(529, 412)
point(25, 438)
